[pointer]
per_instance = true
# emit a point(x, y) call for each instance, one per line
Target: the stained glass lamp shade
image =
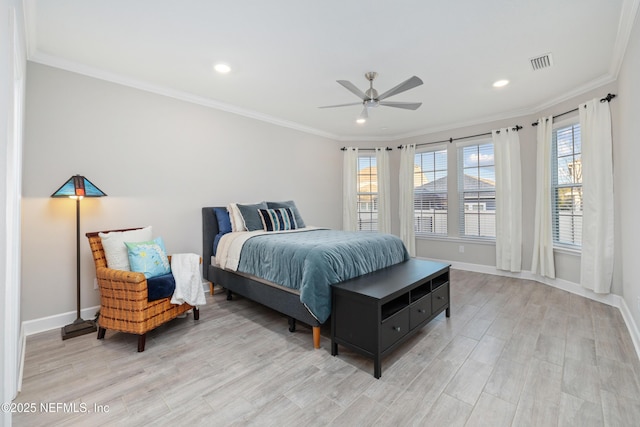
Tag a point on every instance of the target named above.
point(78, 187)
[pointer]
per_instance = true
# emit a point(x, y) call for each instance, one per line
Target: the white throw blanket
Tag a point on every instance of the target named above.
point(186, 272)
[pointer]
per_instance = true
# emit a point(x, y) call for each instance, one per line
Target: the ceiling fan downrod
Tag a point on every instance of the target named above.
point(372, 102)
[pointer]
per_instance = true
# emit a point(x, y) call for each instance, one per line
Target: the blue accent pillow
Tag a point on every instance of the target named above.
point(149, 257)
point(251, 217)
point(216, 242)
point(224, 226)
point(288, 204)
point(160, 287)
point(224, 222)
point(277, 219)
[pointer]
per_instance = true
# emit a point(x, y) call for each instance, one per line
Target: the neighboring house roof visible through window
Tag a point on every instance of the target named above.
point(471, 183)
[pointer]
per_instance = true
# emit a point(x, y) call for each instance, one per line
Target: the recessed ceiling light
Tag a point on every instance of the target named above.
point(501, 83)
point(361, 121)
point(222, 68)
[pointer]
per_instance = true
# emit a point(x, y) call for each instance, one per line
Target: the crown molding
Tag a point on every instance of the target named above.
point(581, 90)
point(56, 62)
point(628, 16)
point(78, 68)
point(30, 26)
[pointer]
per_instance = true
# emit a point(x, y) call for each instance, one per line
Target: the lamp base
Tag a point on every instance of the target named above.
point(78, 327)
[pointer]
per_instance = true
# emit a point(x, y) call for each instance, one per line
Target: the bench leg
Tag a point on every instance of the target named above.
point(196, 313)
point(101, 332)
point(377, 367)
point(316, 336)
point(141, 341)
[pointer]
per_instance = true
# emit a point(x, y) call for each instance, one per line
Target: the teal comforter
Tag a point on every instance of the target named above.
point(311, 261)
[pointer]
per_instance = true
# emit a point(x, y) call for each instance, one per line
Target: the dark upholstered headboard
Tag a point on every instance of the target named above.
point(209, 231)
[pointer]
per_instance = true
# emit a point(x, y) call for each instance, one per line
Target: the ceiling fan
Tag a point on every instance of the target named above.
point(371, 99)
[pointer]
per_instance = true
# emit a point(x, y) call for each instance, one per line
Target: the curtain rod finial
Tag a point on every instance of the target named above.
point(608, 98)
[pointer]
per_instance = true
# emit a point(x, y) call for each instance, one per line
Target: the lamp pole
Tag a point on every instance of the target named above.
point(79, 326)
point(78, 187)
point(78, 260)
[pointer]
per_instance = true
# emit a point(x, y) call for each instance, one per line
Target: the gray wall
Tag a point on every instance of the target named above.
point(627, 185)
point(159, 160)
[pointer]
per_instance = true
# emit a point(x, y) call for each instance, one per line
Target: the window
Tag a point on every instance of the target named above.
point(367, 193)
point(430, 192)
point(477, 190)
point(567, 186)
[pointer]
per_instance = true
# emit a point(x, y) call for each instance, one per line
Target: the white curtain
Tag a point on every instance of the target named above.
point(596, 266)
point(508, 200)
point(384, 187)
point(350, 190)
point(543, 237)
point(407, 232)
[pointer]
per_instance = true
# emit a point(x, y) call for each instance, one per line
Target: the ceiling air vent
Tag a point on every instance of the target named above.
point(542, 61)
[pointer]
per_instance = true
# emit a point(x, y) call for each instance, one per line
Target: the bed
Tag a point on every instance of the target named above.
point(274, 295)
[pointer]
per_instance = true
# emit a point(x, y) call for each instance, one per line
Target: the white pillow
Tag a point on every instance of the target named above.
point(237, 221)
point(115, 251)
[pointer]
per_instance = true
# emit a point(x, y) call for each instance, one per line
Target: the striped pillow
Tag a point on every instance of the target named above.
point(277, 219)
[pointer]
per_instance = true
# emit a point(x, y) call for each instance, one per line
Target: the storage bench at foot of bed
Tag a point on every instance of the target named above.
point(374, 313)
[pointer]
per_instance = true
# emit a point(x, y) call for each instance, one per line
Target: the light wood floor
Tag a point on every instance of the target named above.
point(513, 353)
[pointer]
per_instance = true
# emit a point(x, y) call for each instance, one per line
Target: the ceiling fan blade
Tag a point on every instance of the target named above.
point(352, 88)
point(341, 105)
point(405, 105)
point(404, 86)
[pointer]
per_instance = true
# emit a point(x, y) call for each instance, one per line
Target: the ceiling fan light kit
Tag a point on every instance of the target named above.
point(371, 99)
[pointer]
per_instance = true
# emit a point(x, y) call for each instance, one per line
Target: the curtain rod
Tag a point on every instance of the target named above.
point(366, 149)
point(450, 140)
point(607, 98)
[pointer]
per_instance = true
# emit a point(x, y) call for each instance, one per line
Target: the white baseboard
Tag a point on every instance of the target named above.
point(23, 349)
point(30, 327)
point(574, 288)
point(43, 324)
point(35, 326)
point(631, 325)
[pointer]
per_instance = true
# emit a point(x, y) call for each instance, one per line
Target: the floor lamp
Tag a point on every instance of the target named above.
point(78, 187)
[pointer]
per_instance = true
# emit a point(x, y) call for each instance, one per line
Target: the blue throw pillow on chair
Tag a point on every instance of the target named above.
point(149, 257)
